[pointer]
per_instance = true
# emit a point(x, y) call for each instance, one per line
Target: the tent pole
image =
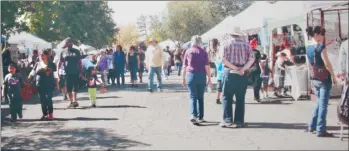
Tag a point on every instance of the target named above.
point(339, 25)
point(323, 23)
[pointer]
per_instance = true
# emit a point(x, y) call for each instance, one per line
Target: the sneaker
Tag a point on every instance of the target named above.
point(159, 90)
point(218, 101)
point(93, 106)
point(44, 117)
point(225, 125)
point(325, 134)
point(50, 116)
point(201, 121)
point(310, 131)
point(150, 90)
point(258, 100)
point(20, 116)
point(71, 105)
point(75, 104)
point(240, 125)
point(65, 98)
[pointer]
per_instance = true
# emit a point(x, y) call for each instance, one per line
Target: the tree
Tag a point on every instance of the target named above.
point(128, 35)
point(156, 28)
point(222, 9)
point(11, 11)
point(87, 21)
point(142, 25)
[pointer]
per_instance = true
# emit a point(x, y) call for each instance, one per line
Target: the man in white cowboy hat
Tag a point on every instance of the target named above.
point(237, 57)
point(154, 60)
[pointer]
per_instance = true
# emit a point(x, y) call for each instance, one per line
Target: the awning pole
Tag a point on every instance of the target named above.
point(339, 25)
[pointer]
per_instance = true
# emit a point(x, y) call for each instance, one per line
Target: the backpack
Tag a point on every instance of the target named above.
point(343, 107)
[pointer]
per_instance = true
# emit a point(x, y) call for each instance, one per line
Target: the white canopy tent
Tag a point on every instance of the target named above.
point(219, 30)
point(172, 44)
point(252, 19)
point(87, 49)
point(24, 39)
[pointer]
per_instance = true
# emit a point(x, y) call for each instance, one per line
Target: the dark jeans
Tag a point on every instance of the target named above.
point(15, 103)
point(322, 92)
point(111, 76)
point(120, 74)
point(257, 83)
point(46, 101)
point(196, 83)
point(234, 84)
point(169, 69)
point(179, 68)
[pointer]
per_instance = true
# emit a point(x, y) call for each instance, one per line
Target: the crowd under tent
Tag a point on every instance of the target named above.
point(27, 42)
point(289, 27)
point(87, 49)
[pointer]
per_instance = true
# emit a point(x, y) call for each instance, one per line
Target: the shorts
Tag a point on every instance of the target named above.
point(265, 81)
point(219, 85)
point(141, 69)
point(62, 81)
point(72, 82)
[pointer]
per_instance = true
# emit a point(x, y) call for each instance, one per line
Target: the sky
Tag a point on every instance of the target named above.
point(127, 12)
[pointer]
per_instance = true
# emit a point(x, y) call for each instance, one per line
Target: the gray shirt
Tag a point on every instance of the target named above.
point(13, 84)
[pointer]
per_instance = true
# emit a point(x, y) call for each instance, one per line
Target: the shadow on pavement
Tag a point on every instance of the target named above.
point(208, 123)
point(106, 106)
point(72, 139)
point(98, 97)
point(299, 126)
point(72, 119)
point(278, 102)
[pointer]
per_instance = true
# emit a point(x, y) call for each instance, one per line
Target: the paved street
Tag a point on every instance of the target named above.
point(135, 119)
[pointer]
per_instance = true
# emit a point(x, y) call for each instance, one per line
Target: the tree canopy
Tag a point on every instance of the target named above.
point(187, 18)
point(128, 35)
point(87, 21)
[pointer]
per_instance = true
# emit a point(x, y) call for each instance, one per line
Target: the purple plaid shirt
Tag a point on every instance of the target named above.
point(237, 51)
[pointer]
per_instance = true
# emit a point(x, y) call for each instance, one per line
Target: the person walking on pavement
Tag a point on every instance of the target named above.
point(142, 66)
point(196, 72)
point(178, 60)
point(167, 62)
point(102, 65)
point(70, 58)
point(154, 59)
point(111, 73)
point(46, 80)
point(119, 58)
point(237, 56)
point(11, 89)
point(256, 72)
point(133, 65)
point(171, 62)
point(322, 78)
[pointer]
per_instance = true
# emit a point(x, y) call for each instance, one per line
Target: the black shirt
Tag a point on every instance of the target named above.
point(71, 61)
point(92, 81)
point(255, 65)
point(45, 75)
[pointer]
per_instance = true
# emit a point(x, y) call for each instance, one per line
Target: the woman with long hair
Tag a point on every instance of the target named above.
point(322, 78)
point(133, 64)
point(46, 81)
point(213, 54)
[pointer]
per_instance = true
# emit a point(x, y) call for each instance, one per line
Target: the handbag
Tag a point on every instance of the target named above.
point(343, 107)
point(319, 72)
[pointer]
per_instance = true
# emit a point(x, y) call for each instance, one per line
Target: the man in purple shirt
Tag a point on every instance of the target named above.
point(237, 57)
point(195, 70)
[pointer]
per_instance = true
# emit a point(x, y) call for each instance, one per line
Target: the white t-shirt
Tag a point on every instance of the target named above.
point(166, 57)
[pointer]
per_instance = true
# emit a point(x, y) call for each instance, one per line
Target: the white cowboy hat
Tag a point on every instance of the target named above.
point(152, 39)
point(236, 31)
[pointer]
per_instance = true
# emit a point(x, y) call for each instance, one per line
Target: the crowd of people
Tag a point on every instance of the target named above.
point(231, 61)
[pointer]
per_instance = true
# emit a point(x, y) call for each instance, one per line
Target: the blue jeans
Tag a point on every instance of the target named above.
point(196, 83)
point(157, 71)
point(322, 92)
point(179, 68)
point(234, 85)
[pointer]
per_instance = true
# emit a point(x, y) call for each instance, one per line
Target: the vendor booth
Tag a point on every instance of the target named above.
point(288, 28)
point(29, 42)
